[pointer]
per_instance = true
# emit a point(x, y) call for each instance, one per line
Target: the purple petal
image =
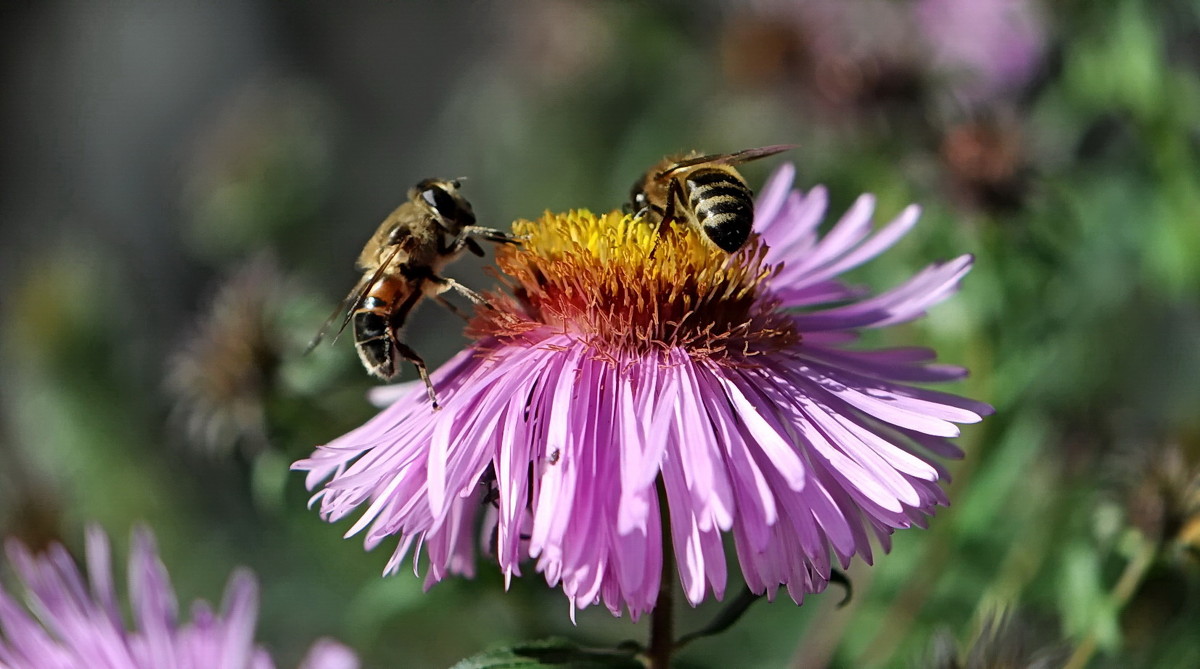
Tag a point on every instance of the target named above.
point(771, 198)
point(329, 654)
point(240, 613)
point(903, 303)
point(152, 599)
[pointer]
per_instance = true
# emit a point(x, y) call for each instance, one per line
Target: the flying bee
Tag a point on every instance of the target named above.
point(703, 191)
point(401, 264)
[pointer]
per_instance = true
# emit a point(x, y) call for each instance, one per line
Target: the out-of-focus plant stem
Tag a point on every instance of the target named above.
point(1124, 589)
point(901, 615)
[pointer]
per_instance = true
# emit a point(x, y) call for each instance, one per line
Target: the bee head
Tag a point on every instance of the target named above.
point(450, 210)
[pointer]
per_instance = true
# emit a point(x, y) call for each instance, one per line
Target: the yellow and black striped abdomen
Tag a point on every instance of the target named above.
point(373, 337)
point(722, 204)
point(378, 317)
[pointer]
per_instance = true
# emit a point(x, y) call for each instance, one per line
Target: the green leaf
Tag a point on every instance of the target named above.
point(1087, 608)
point(551, 653)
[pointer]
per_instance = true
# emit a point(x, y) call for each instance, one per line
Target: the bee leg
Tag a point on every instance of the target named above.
point(400, 235)
point(674, 192)
point(445, 284)
point(395, 323)
point(489, 234)
point(405, 351)
point(473, 246)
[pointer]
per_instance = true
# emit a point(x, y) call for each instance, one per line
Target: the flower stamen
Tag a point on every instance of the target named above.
point(624, 286)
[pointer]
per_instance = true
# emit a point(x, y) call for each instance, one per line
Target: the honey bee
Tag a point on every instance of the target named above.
point(401, 264)
point(703, 191)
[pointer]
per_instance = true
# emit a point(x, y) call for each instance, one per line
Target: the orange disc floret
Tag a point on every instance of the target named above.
point(625, 284)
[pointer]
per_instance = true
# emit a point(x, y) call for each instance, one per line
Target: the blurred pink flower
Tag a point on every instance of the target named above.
point(629, 371)
point(73, 623)
point(991, 47)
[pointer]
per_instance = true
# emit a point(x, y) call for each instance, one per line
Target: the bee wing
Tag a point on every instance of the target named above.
point(346, 308)
point(351, 302)
point(728, 158)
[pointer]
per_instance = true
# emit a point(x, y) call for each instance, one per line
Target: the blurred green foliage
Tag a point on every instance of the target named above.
point(1076, 185)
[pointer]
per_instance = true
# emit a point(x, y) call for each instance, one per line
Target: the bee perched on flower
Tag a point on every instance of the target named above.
point(636, 394)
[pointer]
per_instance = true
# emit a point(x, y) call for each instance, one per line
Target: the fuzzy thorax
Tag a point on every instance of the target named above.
point(627, 287)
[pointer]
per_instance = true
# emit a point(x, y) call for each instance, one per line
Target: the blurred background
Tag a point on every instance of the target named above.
point(186, 185)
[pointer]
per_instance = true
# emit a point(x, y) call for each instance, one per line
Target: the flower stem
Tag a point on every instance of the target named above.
point(662, 621)
point(730, 614)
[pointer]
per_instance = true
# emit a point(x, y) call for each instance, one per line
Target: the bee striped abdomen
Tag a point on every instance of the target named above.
point(723, 206)
point(373, 337)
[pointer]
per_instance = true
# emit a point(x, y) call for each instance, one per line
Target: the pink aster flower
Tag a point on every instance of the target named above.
point(632, 384)
point(993, 47)
point(76, 623)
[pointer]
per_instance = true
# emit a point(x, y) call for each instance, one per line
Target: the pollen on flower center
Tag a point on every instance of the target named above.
point(625, 286)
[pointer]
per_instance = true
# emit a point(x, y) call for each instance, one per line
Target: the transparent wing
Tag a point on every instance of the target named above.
point(351, 302)
point(728, 158)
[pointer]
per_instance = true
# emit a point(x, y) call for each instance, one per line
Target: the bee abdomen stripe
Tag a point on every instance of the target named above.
point(369, 325)
point(724, 203)
point(728, 235)
point(709, 177)
point(724, 208)
point(718, 191)
point(377, 353)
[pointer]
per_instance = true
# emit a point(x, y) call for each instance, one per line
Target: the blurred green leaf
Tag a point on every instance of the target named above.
point(551, 653)
point(1086, 606)
point(1120, 64)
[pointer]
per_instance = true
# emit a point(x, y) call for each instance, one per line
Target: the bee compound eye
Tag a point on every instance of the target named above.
point(429, 196)
point(441, 201)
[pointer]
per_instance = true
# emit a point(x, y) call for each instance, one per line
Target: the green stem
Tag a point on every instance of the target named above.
point(730, 614)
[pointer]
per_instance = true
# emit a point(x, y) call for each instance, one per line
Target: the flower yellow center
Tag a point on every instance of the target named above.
point(625, 284)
